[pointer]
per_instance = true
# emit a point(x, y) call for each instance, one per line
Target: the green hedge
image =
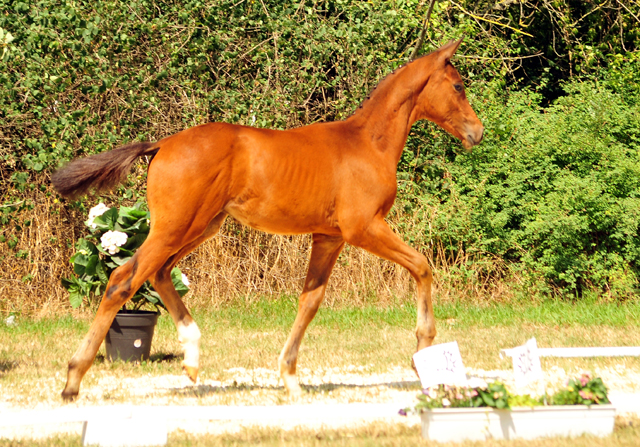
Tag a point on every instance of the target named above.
point(551, 192)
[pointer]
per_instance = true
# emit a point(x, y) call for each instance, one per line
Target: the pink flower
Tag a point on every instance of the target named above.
point(586, 377)
point(585, 394)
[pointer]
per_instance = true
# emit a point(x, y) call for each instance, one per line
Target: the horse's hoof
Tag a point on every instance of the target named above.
point(292, 386)
point(295, 394)
point(69, 396)
point(191, 371)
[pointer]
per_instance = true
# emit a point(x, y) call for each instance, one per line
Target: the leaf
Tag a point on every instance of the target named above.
point(133, 213)
point(107, 220)
point(176, 278)
point(134, 242)
point(79, 264)
point(75, 296)
point(87, 246)
point(101, 271)
point(118, 261)
point(92, 262)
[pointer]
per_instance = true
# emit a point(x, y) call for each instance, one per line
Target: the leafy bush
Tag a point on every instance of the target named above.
point(554, 192)
point(493, 395)
point(114, 236)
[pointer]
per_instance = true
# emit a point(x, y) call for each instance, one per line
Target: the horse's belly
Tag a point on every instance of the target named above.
point(279, 221)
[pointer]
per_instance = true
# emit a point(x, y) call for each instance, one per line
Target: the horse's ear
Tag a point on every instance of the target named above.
point(447, 51)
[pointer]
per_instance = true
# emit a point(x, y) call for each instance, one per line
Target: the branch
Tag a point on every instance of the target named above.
point(9, 205)
point(635, 16)
point(515, 58)
point(423, 31)
point(487, 20)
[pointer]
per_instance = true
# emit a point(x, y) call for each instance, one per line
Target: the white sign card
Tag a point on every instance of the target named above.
point(526, 363)
point(440, 364)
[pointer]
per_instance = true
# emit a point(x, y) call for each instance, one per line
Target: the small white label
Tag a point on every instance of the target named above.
point(440, 364)
point(137, 343)
point(526, 363)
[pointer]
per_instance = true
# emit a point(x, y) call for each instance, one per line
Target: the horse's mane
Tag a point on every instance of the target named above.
point(385, 80)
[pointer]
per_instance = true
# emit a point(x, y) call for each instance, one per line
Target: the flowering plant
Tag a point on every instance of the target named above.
point(493, 395)
point(114, 235)
point(583, 391)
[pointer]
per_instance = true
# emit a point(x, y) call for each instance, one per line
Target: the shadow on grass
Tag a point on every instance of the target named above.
point(159, 357)
point(205, 390)
point(7, 365)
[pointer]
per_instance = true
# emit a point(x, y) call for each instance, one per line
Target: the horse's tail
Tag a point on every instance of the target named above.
point(101, 171)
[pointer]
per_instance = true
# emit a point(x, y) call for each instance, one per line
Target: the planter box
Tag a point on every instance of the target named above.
point(459, 424)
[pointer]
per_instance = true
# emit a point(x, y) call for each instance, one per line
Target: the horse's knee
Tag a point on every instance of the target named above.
point(119, 286)
point(423, 272)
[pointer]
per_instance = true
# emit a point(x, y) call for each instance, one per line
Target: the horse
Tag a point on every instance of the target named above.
point(335, 180)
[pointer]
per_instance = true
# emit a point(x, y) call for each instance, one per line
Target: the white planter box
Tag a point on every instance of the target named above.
point(459, 424)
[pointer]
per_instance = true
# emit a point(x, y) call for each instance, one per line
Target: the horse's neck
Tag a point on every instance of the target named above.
point(387, 115)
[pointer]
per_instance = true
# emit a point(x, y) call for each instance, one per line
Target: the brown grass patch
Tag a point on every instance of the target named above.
point(237, 262)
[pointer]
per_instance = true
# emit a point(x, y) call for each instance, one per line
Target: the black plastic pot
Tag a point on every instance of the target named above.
point(130, 335)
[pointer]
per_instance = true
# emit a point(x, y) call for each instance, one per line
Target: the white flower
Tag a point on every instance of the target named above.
point(446, 402)
point(96, 211)
point(11, 321)
point(111, 240)
point(185, 280)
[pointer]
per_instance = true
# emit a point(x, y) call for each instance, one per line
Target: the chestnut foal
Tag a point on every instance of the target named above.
point(336, 180)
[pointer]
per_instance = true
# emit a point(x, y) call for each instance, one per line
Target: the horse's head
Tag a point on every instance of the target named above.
point(444, 101)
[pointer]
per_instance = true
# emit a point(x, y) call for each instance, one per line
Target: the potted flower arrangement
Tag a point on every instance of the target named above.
point(451, 413)
point(114, 235)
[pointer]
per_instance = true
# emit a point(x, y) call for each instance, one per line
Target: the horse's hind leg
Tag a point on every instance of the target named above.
point(324, 253)
point(124, 282)
point(188, 332)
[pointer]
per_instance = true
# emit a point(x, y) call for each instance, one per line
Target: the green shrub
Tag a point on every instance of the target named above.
point(115, 234)
point(553, 191)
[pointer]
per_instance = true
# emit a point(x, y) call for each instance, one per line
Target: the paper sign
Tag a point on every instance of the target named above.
point(526, 363)
point(440, 364)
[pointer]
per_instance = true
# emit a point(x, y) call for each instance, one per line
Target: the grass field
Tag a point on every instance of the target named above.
point(244, 338)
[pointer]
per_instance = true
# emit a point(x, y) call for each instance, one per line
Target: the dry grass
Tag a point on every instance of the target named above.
point(626, 434)
point(237, 262)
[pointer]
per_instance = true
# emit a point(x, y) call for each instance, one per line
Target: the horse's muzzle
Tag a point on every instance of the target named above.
point(473, 136)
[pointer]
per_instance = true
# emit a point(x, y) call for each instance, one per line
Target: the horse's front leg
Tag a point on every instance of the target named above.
point(379, 239)
point(124, 282)
point(324, 253)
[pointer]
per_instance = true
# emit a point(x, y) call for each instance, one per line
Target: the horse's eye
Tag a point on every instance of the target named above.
point(458, 87)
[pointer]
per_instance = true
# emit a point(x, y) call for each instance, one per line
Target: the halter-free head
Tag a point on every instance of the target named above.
point(443, 100)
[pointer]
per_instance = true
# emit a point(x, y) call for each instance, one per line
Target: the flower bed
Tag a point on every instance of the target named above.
point(491, 412)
